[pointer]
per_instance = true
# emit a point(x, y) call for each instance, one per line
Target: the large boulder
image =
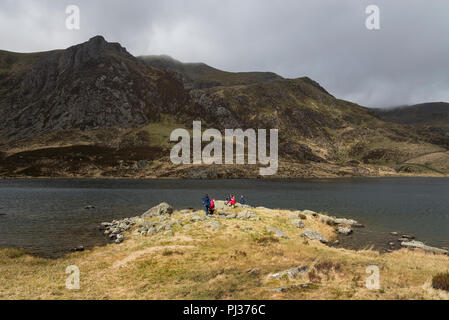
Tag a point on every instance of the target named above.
point(161, 209)
point(314, 235)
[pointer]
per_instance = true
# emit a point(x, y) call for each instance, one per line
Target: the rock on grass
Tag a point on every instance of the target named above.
point(314, 235)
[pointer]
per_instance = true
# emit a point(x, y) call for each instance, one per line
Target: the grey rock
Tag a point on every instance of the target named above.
point(338, 221)
point(297, 223)
point(163, 226)
point(344, 230)
point(106, 224)
point(151, 231)
point(314, 235)
point(418, 244)
point(215, 224)
point(290, 273)
point(247, 215)
point(254, 271)
point(247, 228)
point(309, 213)
point(278, 233)
point(119, 239)
point(161, 209)
point(196, 218)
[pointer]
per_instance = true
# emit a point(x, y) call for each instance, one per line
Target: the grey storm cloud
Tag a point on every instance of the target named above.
point(404, 62)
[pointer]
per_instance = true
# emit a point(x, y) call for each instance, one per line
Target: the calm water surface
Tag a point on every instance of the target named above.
point(47, 216)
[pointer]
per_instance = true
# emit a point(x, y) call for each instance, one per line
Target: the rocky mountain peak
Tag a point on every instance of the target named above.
point(92, 50)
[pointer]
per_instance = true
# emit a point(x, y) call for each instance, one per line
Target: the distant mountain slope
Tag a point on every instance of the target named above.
point(431, 114)
point(95, 110)
point(200, 75)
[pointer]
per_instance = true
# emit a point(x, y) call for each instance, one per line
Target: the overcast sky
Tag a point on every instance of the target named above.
point(405, 62)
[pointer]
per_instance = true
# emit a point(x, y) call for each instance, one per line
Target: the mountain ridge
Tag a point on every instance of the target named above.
point(94, 109)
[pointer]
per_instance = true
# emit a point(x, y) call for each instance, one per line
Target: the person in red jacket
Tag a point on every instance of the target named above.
point(232, 202)
point(212, 206)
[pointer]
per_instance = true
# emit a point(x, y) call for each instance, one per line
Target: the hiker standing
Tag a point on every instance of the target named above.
point(206, 203)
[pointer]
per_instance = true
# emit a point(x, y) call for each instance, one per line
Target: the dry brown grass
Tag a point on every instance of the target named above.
point(202, 263)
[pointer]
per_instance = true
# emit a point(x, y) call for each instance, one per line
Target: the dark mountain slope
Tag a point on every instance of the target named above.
point(95, 110)
point(92, 85)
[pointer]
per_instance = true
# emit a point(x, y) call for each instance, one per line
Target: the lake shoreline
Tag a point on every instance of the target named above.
point(384, 205)
point(248, 252)
point(348, 239)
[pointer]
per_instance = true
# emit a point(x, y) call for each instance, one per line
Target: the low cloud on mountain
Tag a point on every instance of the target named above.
point(404, 62)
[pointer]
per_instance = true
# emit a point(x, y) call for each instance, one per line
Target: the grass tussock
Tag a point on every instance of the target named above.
point(441, 281)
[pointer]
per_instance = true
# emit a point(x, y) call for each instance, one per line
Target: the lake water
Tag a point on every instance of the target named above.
point(48, 216)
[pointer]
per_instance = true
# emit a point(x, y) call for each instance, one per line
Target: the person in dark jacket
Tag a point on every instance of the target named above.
point(206, 203)
point(242, 200)
point(228, 199)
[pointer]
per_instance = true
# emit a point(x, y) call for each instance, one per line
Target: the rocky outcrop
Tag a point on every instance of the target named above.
point(89, 85)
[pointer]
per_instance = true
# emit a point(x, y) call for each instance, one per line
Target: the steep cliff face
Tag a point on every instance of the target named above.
point(92, 85)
